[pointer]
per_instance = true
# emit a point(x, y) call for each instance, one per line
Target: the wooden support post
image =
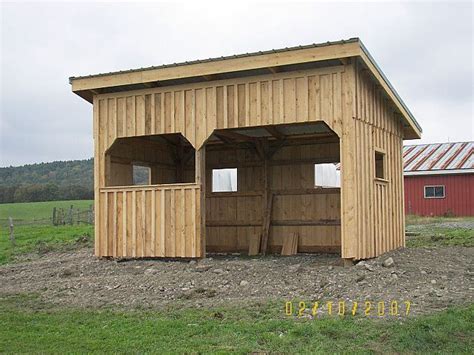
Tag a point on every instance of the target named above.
point(267, 198)
point(347, 262)
point(201, 180)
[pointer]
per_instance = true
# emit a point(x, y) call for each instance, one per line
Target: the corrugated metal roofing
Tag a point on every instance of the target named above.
point(280, 50)
point(438, 157)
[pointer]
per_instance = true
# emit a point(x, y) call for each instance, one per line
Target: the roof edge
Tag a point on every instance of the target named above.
point(216, 59)
point(404, 107)
point(87, 86)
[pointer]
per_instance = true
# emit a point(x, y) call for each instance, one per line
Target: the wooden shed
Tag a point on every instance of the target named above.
point(270, 117)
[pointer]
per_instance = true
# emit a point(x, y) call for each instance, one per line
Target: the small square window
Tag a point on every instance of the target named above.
point(141, 175)
point(380, 165)
point(434, 191)
point(224, 180)
point(327, 175)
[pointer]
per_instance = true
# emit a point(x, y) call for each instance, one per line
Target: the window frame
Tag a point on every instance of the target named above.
point(141, 165)
point(434, 191)
point(236, 180)
point(383, 153)
point(338, 172)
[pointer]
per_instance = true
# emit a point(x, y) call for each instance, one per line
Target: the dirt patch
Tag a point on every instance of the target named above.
point(431, 278)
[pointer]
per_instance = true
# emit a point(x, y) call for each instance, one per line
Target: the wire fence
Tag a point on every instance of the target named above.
point(71, 216)
point(58, 217)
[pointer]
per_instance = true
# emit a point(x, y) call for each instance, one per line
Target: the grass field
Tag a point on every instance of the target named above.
point(30, 325)
point(29, 211)
point(439, 231)
point(32, 236)
point(26, 327)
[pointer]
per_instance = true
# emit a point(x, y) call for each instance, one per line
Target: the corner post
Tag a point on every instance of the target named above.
point(201, 180)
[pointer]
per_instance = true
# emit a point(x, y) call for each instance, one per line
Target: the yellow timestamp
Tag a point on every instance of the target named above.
point(392, 308)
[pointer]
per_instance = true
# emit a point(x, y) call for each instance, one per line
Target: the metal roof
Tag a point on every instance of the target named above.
point(215, 59)
point(438, 158)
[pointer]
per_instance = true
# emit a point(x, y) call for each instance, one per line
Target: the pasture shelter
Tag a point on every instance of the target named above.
point(270, 117)
point(439, 179)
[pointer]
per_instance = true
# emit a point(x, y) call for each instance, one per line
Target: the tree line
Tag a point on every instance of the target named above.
point(59, 180)
point(55, 181)
point(44, 192)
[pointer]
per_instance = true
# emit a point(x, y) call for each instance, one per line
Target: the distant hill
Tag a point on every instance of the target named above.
point(58, 180)
point(61, 173)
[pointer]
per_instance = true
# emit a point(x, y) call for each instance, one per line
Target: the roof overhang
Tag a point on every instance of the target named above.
point(244, 65)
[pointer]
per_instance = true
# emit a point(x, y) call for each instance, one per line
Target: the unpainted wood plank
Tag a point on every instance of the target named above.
point(254, 244)
point(290, 244)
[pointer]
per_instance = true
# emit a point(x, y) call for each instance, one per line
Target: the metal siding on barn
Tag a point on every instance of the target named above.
point(458, 200)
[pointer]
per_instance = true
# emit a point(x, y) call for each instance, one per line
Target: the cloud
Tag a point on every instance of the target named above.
point(425, 49)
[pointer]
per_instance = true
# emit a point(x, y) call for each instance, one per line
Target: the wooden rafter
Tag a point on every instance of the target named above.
point(234, 136)
point(274, 70)
point(275, 132)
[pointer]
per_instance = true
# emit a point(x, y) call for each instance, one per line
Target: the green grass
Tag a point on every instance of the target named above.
point(432, 237)
point(28, 211)
point(439, 231)
point(32, 236)
point(28, 326)
point(42, 239)
point(413, 220)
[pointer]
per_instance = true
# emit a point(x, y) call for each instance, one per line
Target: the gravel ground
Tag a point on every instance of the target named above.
point(430, 278)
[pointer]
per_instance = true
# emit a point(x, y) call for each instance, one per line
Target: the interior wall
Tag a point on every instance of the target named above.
point(126, 152)
point(234, 217)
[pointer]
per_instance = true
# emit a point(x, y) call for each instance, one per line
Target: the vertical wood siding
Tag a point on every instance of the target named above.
point(379, 216)
point(146, 221)
point(344, 97)
point(195, 110)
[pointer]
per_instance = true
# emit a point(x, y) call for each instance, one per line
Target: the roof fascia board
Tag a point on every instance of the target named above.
point(335, 51)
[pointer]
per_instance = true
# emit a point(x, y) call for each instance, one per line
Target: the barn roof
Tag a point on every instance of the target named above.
point(438, 158)
point(293, 58)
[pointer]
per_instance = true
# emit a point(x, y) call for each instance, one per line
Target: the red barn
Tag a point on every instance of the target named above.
point(439, 179)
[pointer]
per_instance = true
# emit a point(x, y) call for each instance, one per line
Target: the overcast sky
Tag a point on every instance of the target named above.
point(424, 48)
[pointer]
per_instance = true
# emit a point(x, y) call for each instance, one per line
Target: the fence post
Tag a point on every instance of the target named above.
point(69, 216)
point(55, 222)
point(12, 235)
point(90, 215)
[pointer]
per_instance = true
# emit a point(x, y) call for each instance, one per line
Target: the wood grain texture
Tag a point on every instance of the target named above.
point(170, 220)
point(139, 221)
point(195, 110)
